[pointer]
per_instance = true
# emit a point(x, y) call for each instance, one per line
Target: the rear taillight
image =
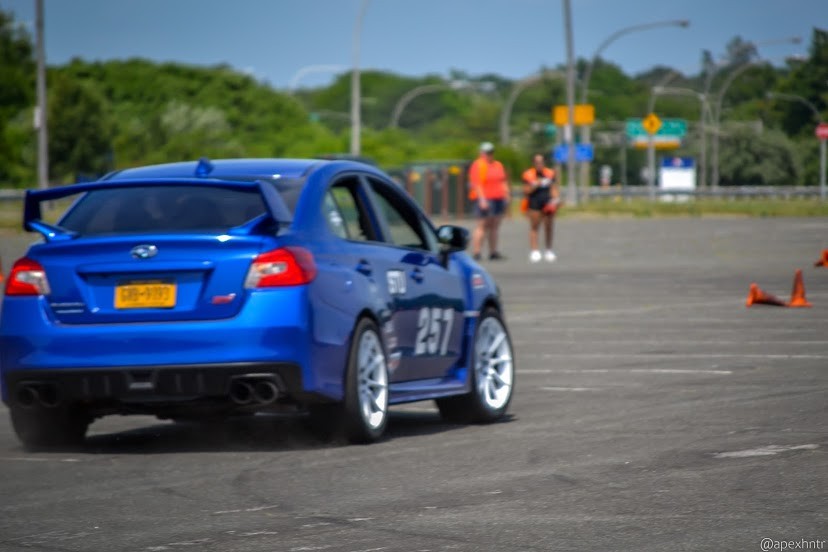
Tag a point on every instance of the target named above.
point(27, 277)
point(287, 266)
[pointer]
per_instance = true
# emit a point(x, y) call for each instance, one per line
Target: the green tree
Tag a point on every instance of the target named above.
point(806, 79)
point(750, 158)
point(188, 112)
point(740, 51)
point(80, 129)
point(17, 70)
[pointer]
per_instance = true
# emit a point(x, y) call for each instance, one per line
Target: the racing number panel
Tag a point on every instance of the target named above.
point(427, 298)
point(399, 252)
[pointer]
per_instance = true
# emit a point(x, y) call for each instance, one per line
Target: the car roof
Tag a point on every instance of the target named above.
point(224, 169)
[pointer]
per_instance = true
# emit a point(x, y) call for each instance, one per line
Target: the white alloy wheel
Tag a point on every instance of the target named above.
point(493, 363)
point(372, 380)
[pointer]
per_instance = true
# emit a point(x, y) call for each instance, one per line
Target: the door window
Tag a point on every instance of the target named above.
point(405, 225)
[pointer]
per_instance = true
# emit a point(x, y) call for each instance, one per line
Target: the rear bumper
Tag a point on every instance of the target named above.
point(151, 384)
point(274, 329)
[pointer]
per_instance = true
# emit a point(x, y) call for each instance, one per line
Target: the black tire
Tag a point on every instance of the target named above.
point(476, 406)
point(363, 423)
point(50, 428)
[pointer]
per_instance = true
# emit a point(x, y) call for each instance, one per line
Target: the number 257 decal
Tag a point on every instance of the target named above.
point(433, 330)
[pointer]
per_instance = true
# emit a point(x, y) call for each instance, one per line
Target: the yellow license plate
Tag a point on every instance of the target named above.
point(145, 295)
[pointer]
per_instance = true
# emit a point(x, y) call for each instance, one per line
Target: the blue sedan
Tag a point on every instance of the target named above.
point(215, 288)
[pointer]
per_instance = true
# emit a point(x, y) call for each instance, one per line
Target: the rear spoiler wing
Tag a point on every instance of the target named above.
point(33, 214)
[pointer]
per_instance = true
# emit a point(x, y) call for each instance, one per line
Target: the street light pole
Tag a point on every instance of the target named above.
point(517, 89)
point(40, 113)
point(356, 93)
point(586, 130)
point(818, 118)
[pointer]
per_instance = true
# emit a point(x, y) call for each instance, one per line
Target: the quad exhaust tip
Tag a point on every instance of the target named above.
point(265, 392)
point(30, 395)
point(256, 390)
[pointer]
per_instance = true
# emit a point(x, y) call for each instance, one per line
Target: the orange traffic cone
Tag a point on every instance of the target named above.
point(823, 261)
point(798, 292)
point(758, 297)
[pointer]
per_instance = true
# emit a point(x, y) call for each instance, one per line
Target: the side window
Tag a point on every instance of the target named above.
point(354, 223)
point(405, 226)
point(333, 216)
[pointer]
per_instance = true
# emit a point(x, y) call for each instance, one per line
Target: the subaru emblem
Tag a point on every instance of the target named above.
point(144, 251)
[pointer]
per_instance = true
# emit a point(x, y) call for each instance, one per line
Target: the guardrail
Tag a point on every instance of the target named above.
point(11, 195)
point(722, 192)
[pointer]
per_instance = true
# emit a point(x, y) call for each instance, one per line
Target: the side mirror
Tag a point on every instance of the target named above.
point(454, 238)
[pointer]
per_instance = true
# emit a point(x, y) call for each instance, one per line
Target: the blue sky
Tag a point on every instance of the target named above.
point(275, 39)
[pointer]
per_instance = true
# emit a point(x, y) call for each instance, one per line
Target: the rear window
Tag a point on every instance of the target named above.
point(164, 209)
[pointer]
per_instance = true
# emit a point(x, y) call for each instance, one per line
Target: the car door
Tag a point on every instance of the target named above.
point(359, 267)
point(426, 296)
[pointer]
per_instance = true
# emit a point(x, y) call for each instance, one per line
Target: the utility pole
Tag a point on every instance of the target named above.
point(40, 110)
point(356, 91)
point(571, 190)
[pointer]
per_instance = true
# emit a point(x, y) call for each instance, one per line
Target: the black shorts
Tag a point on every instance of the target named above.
point(539, 198)
point(496, 208)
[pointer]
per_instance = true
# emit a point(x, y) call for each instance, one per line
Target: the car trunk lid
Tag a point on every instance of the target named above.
point(148, 278)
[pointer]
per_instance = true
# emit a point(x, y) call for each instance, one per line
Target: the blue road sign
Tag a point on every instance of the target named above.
point(583, 153)
point(677, 162)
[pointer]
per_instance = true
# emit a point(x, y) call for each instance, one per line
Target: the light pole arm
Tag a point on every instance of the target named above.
point(655, 89)
point(517, 89)
point(409, 96)
point(715, 66)
point(616, 35)
point(717, 112)
point(301, 73)
point(678, 91)
point(800, 99)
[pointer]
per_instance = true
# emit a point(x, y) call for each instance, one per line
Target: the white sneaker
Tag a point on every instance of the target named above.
point(549, 256)
point(535, 256)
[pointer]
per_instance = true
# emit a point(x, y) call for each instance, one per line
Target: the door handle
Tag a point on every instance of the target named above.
point(417, 275)
point(364, 267)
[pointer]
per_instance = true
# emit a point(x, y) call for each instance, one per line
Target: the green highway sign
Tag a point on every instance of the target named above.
point(676, 128)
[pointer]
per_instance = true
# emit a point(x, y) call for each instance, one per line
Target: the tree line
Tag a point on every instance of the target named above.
point(122, 113)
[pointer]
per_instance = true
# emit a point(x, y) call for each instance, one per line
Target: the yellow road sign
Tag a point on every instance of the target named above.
point(584, 114)
point(668, 144)
point(651, 123)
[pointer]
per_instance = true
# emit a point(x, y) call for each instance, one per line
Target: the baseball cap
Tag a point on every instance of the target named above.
point(487, 147)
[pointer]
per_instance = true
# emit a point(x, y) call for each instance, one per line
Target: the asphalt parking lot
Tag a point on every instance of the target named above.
point(653, 412)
